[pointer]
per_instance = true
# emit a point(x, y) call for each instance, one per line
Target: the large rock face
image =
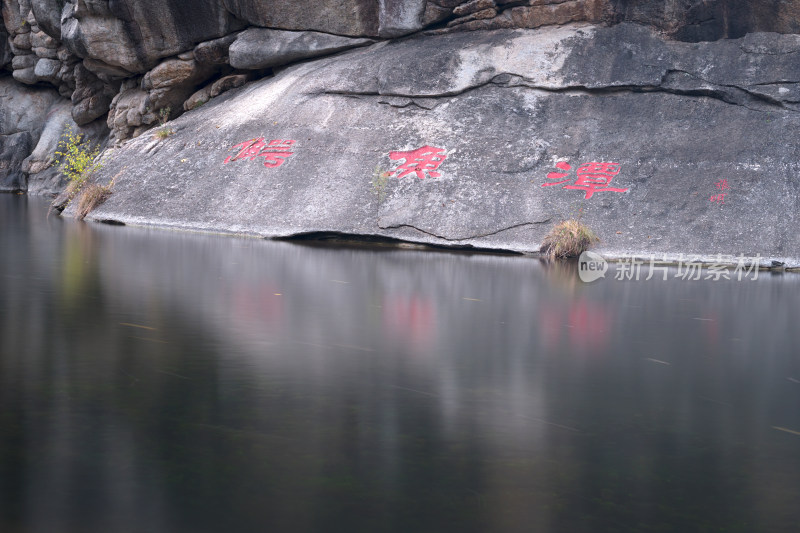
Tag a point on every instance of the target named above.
point(486, 139)
point(514, 113)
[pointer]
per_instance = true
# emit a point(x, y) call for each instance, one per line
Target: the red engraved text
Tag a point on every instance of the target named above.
point(274, 152)
point(423, 162)
point(591, 177)
point(723, 186)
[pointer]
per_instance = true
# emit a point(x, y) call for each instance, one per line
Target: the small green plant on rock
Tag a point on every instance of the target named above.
point(163, 130)
point(76, 157)
point(569, 238)
point(380, 178)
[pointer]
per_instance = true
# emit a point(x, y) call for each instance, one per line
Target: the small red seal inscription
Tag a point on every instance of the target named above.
point(723, 186)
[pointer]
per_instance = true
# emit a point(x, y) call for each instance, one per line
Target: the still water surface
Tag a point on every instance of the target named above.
point(170, 382)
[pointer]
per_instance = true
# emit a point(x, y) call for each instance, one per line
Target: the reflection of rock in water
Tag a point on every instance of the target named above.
point(477, 392)
point(562, 273)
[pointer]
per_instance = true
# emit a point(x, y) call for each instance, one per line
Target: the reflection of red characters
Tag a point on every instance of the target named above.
point(590, 326)
point(591, 177)
point(587, 326)
point(409, 316)
point(420, 161)
point(275, 152)
point(256, 306)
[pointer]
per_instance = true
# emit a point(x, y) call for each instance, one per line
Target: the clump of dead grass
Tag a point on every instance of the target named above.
point(90, 197)
point(569, 238)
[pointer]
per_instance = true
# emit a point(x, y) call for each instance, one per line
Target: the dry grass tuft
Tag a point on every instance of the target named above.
point(570, 238)
point(163, 132)
point(91, 196)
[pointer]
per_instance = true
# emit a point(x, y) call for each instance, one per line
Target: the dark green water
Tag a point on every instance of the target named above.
point(153, 382)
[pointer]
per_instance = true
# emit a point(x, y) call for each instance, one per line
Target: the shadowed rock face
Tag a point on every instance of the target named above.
point(48, 15)
point(702, 20)
point(135, 35)
point(259, 48)
point(342, 17)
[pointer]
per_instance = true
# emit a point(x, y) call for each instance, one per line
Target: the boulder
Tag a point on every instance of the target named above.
point(21, 62)
point(135, 35)
point(259, 48)
point(91, 98)
point(24, 108)
point(26, 75)
point(48, 16)
point(172, 73)
point(159, 95)
point(40, 39)
point(22, 41)
point(15, 13)
point(214, 52)
point(434, 13)
point(198, 98)
point(48, 69)
point(473, 6)
point(400, 17)
point(212, 90)
point(227, 83)
point(353, 18)
point(38, 55)
point(129, 109)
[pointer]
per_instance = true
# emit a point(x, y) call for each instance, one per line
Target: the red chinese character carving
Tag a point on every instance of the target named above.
point(274, 152)
point(420, 161)
point(592, 177)
point(561, 165)
point(718, 198)
point(722, 184)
